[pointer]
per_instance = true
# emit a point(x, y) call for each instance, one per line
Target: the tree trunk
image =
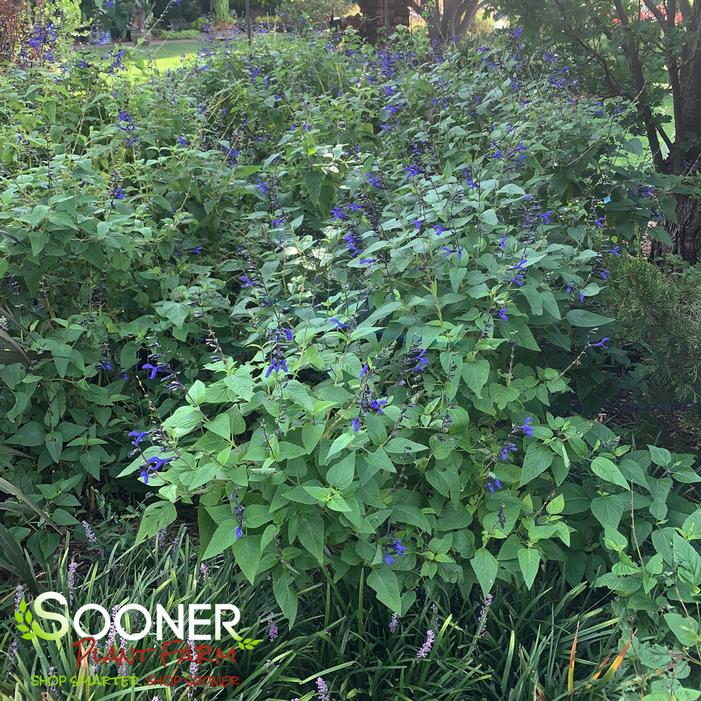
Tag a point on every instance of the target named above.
point(684, 159)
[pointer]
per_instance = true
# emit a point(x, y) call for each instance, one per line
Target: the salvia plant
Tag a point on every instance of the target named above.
point(345, 303)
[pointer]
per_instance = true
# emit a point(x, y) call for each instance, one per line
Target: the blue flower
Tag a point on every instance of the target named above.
point(438, 229)
point(364, 370)
point(398, 548)
point(516, 34)
point(526, 427)
point(262, 187)
point(604, 274)
point(518, 280)
point(598, 223)
point(356, 424)
point(374, 180)
point(338, 323)
point(545, 216)
point(155, 369)
point(276, 365)
point(377, 404)
point(388, 558)
point(521, 265)
point(197, 250)
point(239, 532)
point(412, 170)
point(506, 449)
point(503, 315)
point(246, 281)
point(182, 141)
point(616, 251)
point(420, 361)
point(138, 436)
point(338, 213)
point(603, 343)
point(502, 243)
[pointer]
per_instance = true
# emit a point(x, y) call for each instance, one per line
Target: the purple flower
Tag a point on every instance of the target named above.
point(616, 251)
point(197, 250)
point(276, 365)
point(412, 170)
point(89, 533)
point(246, 281)
point(419, 360)
point(604, 274)
point(516, 34)
point(338, 323)
point(521, 265)
point(364, 370)
point(398, 548)
point(322, 690)
point(374, 180)
point(138, 436)
point(182, 141)
point(338, 213)
point(598, 223)
point(506, 449)
point(467, 174)
point(427, 645)
point(603, 343)
point(377, 404)
point(388, 558)
point(239, 532)
point(393, 623)
point(356, 424)
point(545, 216)
point(272, 630)
point(438, 229)
point(262, 187)
point(502, 243)
point(518, 280)
point(155, 369)
point(503, 315)
point(526, 426)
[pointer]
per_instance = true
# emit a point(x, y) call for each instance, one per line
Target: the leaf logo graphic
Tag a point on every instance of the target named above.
point(23, 621)
point(245, 643)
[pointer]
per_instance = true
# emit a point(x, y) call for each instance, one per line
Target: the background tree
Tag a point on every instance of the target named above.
point(642, 51)
point(447, 19)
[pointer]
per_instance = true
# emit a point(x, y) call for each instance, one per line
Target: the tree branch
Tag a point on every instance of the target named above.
point(659, 15)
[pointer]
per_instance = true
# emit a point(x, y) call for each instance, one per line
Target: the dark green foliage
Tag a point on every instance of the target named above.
point(659, 307)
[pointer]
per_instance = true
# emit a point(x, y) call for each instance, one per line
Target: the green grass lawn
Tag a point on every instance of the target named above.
point(164, 54)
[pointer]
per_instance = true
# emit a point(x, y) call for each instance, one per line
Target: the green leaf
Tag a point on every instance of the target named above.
point(485, 567)
point(583, 318)
point(476, 375)
point(311, 434)
point(403, 445)
point(538, 459)
point(385, 584)
point(556, 505)
point(341, 474)
point(247, 555)
point(54, 445)
point(528, 561)
point(660, 456)
point(224, 537)
point(341, 442)
point(685, 628)
point(156, 517)
point(183, 420)
point(608, 471)
point(177, 312)
point(220, 426)
point(285, 596)
point(312, 536)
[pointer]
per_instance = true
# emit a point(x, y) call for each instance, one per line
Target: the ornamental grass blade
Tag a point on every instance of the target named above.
point(570, 666)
